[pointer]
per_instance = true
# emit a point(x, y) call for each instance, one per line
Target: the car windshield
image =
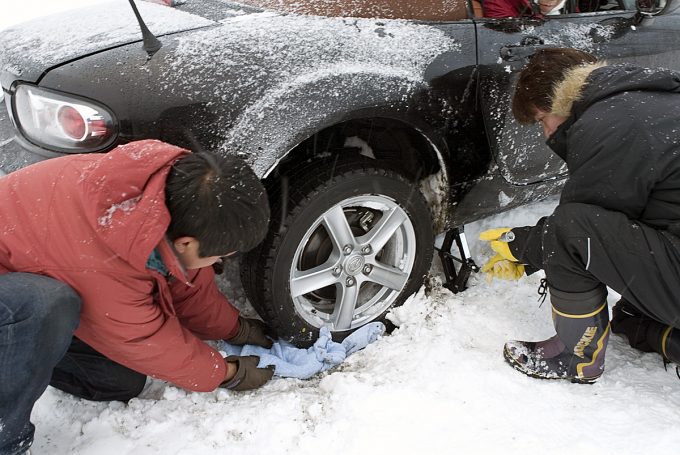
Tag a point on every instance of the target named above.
point(431, 10)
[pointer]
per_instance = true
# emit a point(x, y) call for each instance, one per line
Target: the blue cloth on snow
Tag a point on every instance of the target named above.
point(292, 362)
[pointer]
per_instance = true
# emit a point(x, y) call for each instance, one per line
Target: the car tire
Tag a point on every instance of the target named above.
point(348, 231)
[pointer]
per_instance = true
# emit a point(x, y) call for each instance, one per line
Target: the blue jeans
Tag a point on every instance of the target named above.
point(37, 318)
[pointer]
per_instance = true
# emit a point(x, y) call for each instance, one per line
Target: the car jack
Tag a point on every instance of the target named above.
point(456, 280)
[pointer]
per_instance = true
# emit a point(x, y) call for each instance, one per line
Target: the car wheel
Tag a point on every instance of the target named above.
point(347, 243)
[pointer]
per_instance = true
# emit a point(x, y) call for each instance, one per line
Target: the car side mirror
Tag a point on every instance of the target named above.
point(651, 7)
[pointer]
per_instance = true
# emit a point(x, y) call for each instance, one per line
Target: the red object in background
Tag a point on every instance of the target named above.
point(166, 2)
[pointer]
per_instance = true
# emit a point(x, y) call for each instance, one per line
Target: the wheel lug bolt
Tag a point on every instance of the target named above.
point(350, 281)
point(366, 250)
point(337, 271)
point(368, 268)
point(347, 249)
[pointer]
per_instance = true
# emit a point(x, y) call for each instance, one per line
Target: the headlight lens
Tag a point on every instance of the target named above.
point(57, 121)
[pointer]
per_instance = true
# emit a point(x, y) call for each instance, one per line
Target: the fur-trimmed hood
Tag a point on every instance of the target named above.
point(584, 85)
point(570, 88)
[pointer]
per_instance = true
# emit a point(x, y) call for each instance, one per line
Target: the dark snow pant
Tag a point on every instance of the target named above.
point(86, 373)
point(582, 247)
point(38, 316)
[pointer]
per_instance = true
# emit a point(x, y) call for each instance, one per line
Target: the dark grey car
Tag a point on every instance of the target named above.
point(374, 125)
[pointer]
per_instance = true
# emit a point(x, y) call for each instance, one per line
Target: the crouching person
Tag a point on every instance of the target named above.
point(618, 220)
point(106, 277)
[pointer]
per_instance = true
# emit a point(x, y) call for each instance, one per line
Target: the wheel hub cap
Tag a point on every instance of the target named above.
point(354, 264)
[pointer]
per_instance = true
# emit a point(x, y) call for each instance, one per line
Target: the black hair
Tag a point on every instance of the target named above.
point(217, 200)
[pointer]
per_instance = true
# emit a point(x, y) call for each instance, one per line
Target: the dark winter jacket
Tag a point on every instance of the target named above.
point(621, 143)
point(92, 221)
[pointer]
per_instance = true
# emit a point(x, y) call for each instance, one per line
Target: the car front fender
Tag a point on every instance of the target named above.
point(268, 129)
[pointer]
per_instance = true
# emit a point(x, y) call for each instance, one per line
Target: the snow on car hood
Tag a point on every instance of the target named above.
point(271, 57)
point(30, 48)
point(292, 44)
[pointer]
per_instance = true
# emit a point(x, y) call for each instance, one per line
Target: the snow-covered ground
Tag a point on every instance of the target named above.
point(437, 385)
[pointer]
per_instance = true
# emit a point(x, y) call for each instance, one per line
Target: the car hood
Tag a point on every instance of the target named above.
point(30, 49)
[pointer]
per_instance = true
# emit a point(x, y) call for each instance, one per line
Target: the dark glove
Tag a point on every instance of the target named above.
point(251, 331)
point(248, 376)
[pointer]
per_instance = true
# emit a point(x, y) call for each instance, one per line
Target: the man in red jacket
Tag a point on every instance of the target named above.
point(117, 249)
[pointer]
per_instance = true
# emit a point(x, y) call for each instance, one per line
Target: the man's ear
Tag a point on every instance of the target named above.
point(182, 244)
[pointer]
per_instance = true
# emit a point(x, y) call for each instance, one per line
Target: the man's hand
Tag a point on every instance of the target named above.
point(498, 240)
point(497, 267)
point(247, 376)
point(251, 331)
point(503, 265)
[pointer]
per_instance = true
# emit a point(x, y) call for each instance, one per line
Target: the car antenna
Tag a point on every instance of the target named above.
point(151, 43)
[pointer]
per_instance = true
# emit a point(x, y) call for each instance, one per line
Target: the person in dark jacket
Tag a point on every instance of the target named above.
point(106, 277)
point(617, 223)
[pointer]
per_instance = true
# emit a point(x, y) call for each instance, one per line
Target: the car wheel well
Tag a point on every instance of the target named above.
point(393, 143)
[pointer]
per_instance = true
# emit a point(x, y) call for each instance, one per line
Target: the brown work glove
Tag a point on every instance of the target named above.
point(251, 331)
point(248, 376)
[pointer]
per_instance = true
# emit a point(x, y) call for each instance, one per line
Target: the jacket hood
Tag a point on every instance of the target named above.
point(123, 197)
point(588, 84)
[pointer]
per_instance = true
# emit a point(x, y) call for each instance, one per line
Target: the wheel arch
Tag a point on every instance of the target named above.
point(279, 128)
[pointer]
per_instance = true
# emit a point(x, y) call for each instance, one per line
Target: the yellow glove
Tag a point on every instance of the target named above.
point(499, 242)
point(499, 267)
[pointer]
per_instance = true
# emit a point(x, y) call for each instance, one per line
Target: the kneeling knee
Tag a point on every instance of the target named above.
point(62, 309)
point(57, 314)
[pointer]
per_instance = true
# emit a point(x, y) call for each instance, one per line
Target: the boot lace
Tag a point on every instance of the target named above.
point(665, 366)
point(542, 291)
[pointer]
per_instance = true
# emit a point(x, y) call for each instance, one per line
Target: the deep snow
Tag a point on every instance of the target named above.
point(438, 384)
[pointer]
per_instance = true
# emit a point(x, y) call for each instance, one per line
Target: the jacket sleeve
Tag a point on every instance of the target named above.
point(528, 246)
point(125, 324)
point(202, 308)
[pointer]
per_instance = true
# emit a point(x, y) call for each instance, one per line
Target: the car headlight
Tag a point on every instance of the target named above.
point(61, 122)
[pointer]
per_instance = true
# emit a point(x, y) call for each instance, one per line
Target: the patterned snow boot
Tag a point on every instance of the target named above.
point(576, 352)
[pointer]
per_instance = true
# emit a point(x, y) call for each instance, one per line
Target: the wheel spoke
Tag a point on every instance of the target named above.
point(338, 229)
point(385, 229)
point(388, 276)
point(345, 304)
point(311, 280)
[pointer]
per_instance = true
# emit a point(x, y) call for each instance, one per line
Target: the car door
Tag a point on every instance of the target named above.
point(618, 34)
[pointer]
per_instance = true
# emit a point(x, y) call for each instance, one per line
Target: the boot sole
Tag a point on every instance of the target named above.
point(519, 367)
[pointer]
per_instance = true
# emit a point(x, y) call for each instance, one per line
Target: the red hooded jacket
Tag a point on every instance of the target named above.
point(92, 221)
